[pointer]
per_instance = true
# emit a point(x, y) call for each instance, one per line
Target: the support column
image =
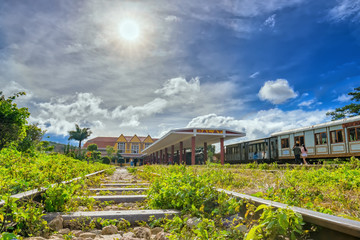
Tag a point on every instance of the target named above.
point(181, 158)
point(161, 157)
point(193, 150)
point(166, 156)
point(205, 152)
point(172, 155)
point(157, 157)
point(184, 159)
point(178, 158)
point(222, 153)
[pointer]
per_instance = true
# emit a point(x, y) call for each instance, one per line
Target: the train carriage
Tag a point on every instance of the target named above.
point(339, 138)
point(261, 150)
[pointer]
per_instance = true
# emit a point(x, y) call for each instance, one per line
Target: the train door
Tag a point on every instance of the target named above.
point(273, 148)
point(246, 151)
point(243, 152)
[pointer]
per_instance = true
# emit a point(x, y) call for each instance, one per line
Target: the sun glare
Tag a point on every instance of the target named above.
point(129, 30)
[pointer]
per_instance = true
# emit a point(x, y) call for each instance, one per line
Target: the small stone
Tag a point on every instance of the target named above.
point(162, 236)
point(108, 230)
point(129, 235)
point(72, 224)
point(96, 231)
point(88, 235)
point(57, 223)
point(77, 232)
point(142, 232)
point(156, 230)
point(241, 228)
point(82, 209)
point(64, 231)
point(232, 221)
point(192, 222)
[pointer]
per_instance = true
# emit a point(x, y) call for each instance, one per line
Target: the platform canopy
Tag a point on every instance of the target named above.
point(202, 135)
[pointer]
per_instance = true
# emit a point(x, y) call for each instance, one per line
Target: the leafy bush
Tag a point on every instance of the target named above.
point(106, 160)
point(19, 172)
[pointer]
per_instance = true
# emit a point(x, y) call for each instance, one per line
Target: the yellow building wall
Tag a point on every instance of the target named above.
point(122, 139)
point(134, 140)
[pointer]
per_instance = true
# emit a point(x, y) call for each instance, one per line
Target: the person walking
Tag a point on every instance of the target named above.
point(304, 153)
point(297, 152)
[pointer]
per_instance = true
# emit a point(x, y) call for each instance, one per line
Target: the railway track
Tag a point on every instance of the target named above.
point(124, 200)
point(126, 195)
point(329, 227)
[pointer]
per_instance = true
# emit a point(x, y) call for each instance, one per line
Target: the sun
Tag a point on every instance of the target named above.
point(129, 30)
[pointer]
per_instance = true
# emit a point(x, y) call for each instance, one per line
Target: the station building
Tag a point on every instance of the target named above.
point(130, 147)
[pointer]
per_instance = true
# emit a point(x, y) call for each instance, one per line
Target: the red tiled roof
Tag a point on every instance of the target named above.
point(101, 142)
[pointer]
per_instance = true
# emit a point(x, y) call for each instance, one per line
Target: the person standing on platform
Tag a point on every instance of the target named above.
point(297, 152)
point(304, 153)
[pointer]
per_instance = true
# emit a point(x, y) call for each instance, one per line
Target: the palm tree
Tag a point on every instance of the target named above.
point(79, 134)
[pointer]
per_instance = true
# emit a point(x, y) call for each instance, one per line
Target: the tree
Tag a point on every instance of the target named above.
point(79, 134)
point(92, 147)
point(33, 137)
point(12, 120)
point(110, 151)
point(350, 110)
point(210, 152)
point(94, 153)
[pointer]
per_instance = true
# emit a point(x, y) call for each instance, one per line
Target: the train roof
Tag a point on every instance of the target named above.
point(259, 140)
point(321, 125)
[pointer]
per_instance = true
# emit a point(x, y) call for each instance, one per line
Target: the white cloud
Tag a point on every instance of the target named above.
point(176, 86)
point(277, 92)
point(254, 75)
point(251, 8)
point(270, 21)
point(13, 87)
point(309, 103)
point(131, 115)
point(343, 98)
point(263, 123)
point(345, 9)
point(172, 18)
point(59, 115)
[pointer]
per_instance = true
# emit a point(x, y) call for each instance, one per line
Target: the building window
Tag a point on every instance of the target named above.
point(121, 147)
point(147, 144)
point(354, 134)
point(134, 148)
point(285, 143)
point(320, 138)
point(337, 136)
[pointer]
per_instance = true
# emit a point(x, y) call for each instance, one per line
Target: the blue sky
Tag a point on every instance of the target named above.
point(145, 67)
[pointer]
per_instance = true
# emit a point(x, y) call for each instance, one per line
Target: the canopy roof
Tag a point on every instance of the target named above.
point(174, 137)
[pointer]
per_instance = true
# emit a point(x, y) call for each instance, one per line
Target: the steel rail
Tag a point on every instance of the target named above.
point(36, 192)
point(338, 224)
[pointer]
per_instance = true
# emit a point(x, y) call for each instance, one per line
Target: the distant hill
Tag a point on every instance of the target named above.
point(58, 147)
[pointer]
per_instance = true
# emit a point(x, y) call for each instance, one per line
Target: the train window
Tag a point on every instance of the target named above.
point(354, 134)
point(337, 136)
point(299, 139)
point(285, 143)
point(320, 138)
